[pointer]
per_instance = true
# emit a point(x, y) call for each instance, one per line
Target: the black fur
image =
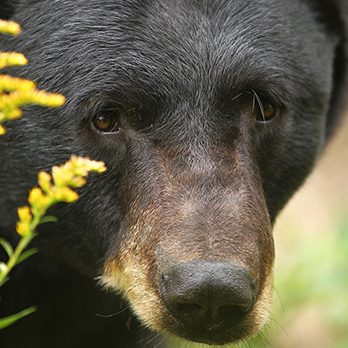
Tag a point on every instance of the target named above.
point(7, 9)
point(181, 64)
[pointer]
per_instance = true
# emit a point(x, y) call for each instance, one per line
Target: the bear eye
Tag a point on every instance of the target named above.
point(264, 110)
point(107, 122)
point(266, 114)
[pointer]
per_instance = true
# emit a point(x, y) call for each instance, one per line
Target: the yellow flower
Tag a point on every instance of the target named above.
point(45, 181)
point(25, 219)
point(61, 176)
point(19, 92)
point(23, 228)
point(12, 59)
point(65, 194)
point(9, 27)
point(55, 188)
point(38, 200)
point(43, 98)
point(77, 181)
point(86, 165)
point(9, 83)
point(21, 98)
point(24, 214)
point(14, 114)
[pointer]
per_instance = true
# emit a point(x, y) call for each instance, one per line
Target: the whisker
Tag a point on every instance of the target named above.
point(154, 337)
point(159, 343)
point(237, 96)
point(263, 339)
point(281, 327)
point(279, 298)
point(147, 340)
point(254, 103)
point(260, 104)
point(112, 315)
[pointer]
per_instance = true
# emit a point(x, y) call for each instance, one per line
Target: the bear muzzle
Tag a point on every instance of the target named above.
point(195, 253)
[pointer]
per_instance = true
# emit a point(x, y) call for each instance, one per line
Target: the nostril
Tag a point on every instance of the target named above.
point(242, 306)
point(232, 311)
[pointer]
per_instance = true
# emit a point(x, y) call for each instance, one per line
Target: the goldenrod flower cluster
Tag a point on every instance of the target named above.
point(55, 188)
point(16, 92)
point(52, 188)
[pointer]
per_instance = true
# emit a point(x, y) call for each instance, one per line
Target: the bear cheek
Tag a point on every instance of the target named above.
point(131, 270)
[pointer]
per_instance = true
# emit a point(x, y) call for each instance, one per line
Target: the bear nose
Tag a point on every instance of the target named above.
point(207, 294)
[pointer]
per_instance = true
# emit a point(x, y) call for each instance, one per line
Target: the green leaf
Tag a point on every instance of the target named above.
point(7, 246)
point(26, 254)
point(48, 218)
point(5, 322)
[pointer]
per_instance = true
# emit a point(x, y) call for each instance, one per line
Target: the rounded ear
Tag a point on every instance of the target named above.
point(339, 100)
point(6, 9)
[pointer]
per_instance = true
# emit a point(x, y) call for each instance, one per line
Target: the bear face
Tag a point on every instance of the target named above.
point(208, 115)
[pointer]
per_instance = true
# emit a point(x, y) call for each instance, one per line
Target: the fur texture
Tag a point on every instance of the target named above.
point(193, 172)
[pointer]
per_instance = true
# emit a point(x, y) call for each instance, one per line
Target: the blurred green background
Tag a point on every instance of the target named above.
point(310, 302)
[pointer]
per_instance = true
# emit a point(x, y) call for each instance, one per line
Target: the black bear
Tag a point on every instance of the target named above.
point(209, 114)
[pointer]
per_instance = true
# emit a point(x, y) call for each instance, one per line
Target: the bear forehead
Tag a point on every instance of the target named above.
point(188, 33)
point(165, 46)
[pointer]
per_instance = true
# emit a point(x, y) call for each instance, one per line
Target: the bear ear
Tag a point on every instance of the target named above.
point(343, 4)
point(339, 102)
point(7, 8)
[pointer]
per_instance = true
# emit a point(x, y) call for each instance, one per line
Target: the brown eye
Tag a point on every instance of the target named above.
point(263, 110)
point(268, 113)
point(106, 123)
